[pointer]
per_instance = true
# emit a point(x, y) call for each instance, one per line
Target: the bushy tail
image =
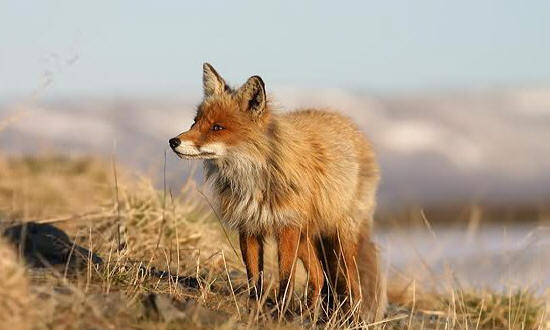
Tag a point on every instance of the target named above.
point(373, 281)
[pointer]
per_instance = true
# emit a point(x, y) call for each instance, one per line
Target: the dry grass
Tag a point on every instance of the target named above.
point(16, 300)
point(180, 234)
point(53, 186)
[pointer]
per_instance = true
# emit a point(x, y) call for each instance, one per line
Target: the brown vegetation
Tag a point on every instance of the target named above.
point(179, 233)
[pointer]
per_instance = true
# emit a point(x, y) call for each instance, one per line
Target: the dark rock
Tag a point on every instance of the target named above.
point(46, 245)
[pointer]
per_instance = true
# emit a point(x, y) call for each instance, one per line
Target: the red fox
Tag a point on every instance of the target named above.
point(308, 178)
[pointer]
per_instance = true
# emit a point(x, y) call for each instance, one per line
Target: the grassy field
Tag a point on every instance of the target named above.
point(177, 232)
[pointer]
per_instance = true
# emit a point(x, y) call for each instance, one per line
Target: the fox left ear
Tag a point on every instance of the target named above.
point(252, 95)
point(212, 82)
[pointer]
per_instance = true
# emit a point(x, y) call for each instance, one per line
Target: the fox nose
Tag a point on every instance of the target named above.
point(174, 142)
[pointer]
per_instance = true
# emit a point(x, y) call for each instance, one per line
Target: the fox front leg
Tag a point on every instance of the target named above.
point(252, 250)
point(287, 246)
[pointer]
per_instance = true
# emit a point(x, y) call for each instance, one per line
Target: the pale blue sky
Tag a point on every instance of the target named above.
point(157, 47)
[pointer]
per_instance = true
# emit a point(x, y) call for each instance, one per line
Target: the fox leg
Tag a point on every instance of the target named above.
point(312, 264)
point(329, 256)
point(349, 251)
point(252, 250)
point(287, 245)
point(372, 283)
point(373, 290)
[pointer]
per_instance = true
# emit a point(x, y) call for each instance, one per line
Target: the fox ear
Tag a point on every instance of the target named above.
point(212, 82)
point(252, 95)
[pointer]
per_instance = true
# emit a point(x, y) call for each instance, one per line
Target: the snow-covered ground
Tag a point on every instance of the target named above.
point(494, 256)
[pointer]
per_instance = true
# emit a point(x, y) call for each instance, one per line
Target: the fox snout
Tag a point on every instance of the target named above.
point(174, 143)
point(189, 150)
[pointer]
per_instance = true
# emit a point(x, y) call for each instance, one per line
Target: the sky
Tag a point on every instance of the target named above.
point(109, 48)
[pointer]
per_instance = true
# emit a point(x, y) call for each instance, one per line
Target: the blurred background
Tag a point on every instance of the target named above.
point(454, 95)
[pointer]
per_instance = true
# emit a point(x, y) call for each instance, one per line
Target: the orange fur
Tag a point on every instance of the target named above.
point(307, 177)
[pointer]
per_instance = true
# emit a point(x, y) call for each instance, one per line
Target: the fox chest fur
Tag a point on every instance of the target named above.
point(251, 195)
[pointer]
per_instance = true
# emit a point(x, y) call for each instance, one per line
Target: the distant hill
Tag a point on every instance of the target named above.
point(472, 146)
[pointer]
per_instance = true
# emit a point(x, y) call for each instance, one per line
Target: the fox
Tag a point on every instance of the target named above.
point(307, 178)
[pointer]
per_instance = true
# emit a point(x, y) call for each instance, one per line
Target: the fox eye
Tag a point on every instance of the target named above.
point(217, 127)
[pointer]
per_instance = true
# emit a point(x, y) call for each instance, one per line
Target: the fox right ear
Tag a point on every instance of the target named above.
point(252, 95)
point(212, 82)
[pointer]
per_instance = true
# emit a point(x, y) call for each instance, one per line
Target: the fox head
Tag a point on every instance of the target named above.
point(225, 119)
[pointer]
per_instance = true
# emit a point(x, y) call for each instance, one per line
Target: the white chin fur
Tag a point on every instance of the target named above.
point(188, 150)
